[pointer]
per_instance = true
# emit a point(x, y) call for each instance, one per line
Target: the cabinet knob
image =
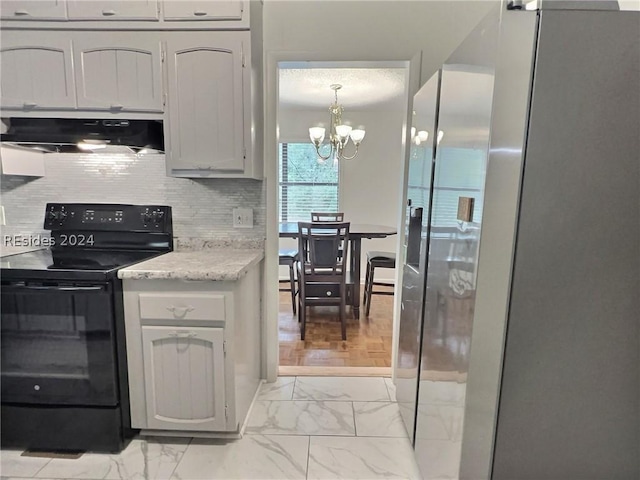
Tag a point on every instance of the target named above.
point(180, 312)
point(108, 13)
point(21, 13)
point(199, 13)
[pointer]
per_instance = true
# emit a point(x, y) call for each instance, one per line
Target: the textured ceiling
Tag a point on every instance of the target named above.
point(362, 88)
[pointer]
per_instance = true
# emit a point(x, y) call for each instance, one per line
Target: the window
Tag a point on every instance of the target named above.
point(459, 173)
point(305, 184)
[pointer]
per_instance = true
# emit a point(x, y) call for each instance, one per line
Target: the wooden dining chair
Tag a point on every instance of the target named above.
point(322, 272)
point(289, 257)
point(327, 216)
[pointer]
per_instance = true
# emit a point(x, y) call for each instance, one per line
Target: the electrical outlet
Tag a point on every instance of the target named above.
point(242, 218)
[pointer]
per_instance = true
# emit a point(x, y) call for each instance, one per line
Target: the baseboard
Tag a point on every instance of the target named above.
point(299, 371)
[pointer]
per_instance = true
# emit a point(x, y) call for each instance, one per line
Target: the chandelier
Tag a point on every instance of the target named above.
point(339, 134)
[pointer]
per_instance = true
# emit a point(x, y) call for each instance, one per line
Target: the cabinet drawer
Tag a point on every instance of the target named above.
point(113, 10)
point(203, 10)
point(182, 306)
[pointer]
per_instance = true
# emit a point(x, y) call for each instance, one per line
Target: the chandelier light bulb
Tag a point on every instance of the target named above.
point(423, 135)
point(357, 136)
point(343, 132)
point(413, 130)
point(440, 135)
point(316, 134)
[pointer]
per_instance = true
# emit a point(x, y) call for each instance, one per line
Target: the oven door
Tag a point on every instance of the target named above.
point(58, 344)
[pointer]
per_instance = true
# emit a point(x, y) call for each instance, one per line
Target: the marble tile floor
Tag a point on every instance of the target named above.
point(300, 428)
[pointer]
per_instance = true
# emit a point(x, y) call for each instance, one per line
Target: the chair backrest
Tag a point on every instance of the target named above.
point(327, 216)
point(320, 246)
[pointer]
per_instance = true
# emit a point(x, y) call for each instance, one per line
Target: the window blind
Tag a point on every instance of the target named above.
point(305, 184)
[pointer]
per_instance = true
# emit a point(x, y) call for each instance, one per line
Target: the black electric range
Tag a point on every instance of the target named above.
point(63, 352)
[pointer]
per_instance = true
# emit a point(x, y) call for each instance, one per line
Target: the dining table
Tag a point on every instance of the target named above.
point(357, 231)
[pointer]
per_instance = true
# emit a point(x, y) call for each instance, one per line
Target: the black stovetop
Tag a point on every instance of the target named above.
point(71, 264)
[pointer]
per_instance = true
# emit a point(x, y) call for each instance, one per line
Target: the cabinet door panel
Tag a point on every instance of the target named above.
point(120, 74)
point(184, 378)
point(33, 10)
point(206, 101)
point(36, 71)
point(204, 10)
point(113, 10)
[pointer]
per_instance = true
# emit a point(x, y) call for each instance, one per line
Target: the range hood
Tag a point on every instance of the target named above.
point(73, 135)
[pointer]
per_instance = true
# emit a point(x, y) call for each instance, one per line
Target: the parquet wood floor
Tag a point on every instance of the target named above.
point(368, 341)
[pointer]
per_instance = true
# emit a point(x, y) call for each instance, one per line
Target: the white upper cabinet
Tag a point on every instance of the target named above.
point(203, 10)
point(33, 10)
point(119, 72)
point(36, 71)
point(207, 87)
point(113, 10)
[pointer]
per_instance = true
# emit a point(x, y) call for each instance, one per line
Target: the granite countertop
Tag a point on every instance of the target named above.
point(216, 264)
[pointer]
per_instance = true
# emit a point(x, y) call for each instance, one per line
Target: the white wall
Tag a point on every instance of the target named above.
point(372, 30)
point(323, 30)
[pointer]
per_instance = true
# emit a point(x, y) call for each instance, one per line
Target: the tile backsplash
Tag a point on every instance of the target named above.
point(202, 208)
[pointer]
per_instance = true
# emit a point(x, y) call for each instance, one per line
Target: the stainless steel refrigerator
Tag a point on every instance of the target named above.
point(519, 345)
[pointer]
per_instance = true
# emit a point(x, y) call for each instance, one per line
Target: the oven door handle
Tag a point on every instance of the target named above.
point(54, 288)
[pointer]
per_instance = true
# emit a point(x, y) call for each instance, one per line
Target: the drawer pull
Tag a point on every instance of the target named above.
point(199, 13)
point(21, 13)
point(117, 106)
point(108, 13)
point(183, 334)
point(30, 105)
point(180, 312)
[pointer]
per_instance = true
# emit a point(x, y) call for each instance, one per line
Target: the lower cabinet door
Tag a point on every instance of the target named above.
point(184, 378)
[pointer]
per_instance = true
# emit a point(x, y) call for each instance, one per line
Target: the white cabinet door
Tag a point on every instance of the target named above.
point(184, 377)
point(119, 72)
point(206, 87)
point(113, 10)
point(36, 70)
point(203, 10)
point(33, 10)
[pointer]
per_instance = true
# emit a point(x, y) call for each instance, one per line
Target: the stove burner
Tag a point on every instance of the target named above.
point(94, 260)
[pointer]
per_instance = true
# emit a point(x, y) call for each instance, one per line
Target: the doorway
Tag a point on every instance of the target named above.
point(366, 188)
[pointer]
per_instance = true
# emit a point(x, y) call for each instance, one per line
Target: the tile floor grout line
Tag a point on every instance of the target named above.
point(175, 467)
point(306, 476)
point(355, 428)
point(387, 387)
point(40, 469)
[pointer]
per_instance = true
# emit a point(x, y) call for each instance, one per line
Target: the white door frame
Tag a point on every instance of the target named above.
point(270, 340)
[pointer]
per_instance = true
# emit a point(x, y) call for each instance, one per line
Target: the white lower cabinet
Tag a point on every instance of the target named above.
point(193, 354)
point(184, 377)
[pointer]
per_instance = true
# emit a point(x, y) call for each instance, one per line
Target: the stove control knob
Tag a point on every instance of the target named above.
point(147, 217)
point(57, 215)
